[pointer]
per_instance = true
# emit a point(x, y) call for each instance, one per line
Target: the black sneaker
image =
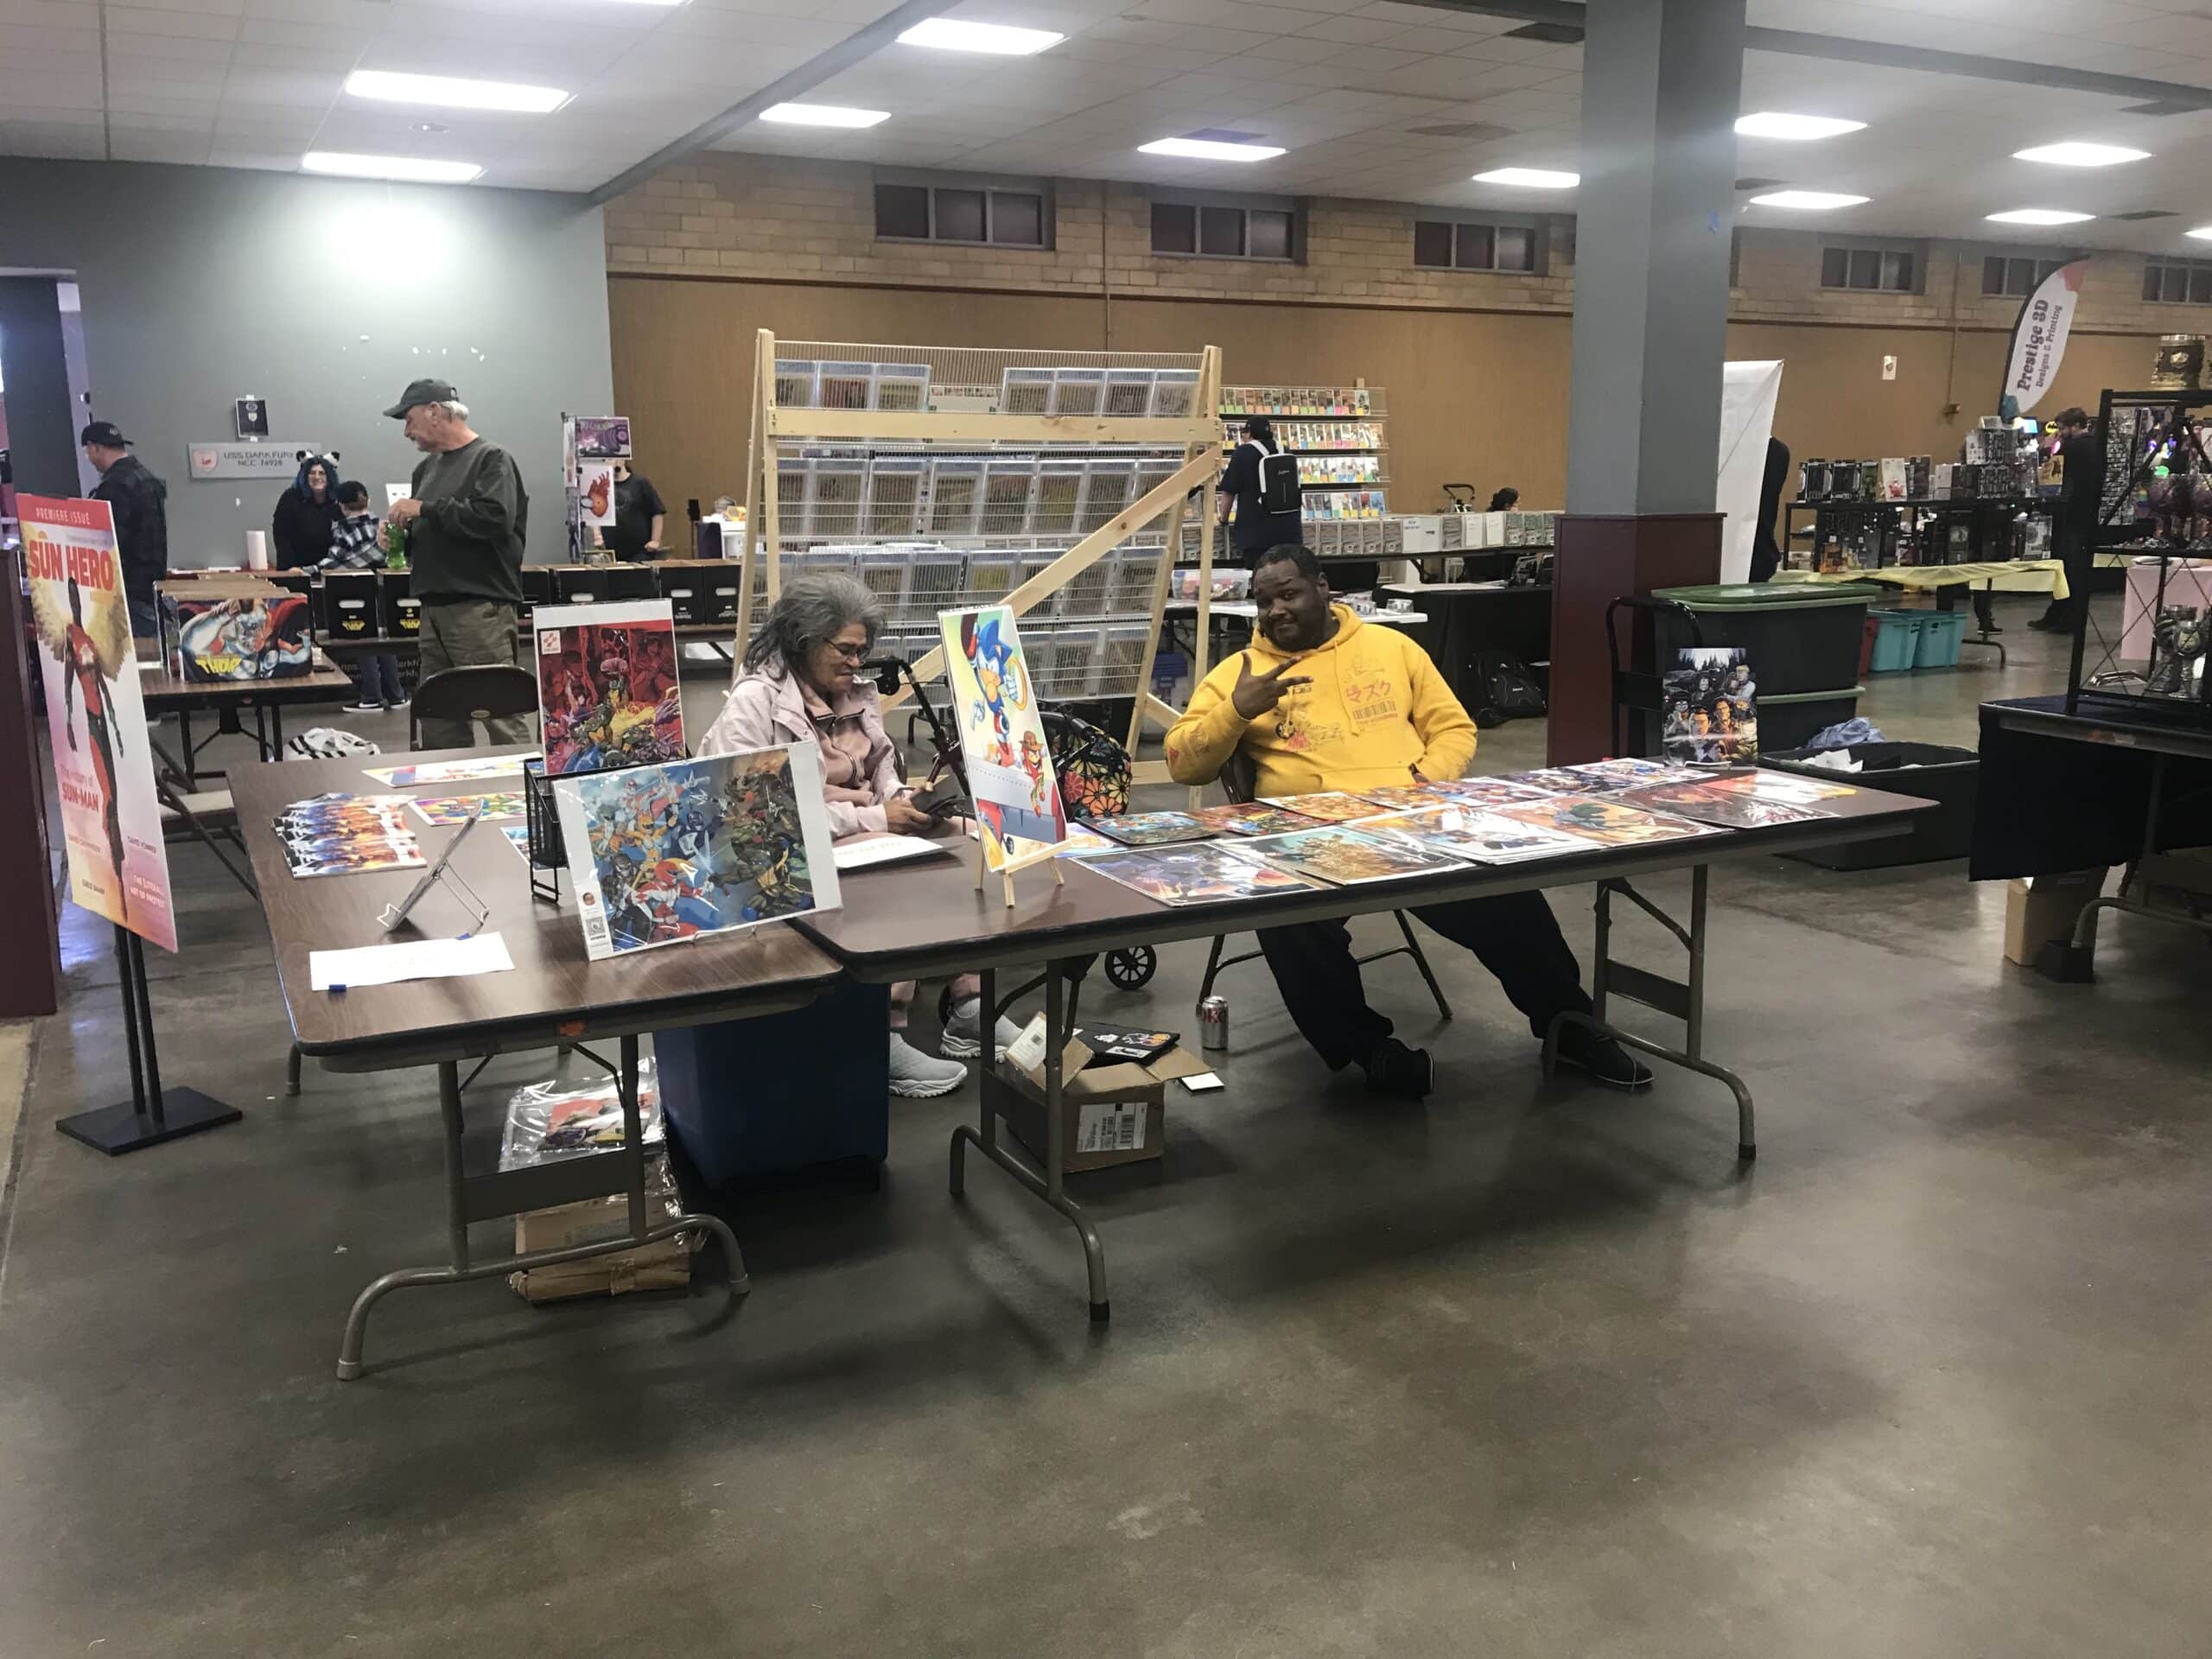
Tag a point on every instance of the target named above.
point(1602, 1058)
point(1394, 1069)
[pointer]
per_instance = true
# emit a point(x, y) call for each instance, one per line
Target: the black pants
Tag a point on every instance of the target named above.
point(1514, 935)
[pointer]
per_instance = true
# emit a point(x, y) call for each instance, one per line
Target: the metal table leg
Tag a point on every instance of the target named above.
point(2074, 962)
point(460, 1212)
point(1684, 1000)
point(1047, 1185)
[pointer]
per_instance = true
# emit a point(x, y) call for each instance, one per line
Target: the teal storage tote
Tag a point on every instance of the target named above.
point(1897, 646)
point(1941, 633)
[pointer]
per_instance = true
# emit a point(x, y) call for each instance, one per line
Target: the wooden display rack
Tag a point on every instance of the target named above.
point(1196, 433)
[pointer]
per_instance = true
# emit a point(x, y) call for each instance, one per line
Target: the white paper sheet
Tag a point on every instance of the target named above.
point(387, 964)
point(883, 850)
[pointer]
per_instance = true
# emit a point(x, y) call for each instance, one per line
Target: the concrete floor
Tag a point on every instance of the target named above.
point(1527, 1370)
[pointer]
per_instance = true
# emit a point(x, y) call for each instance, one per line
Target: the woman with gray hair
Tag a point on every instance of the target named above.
point(800, 681)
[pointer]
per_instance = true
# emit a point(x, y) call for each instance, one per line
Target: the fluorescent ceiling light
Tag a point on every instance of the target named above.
point(950, 35)
point(1773, 123)
point(1811, 202)
point(450, 92)
point(2204, 233)
point(824, 115)
point(1210, 150)
point(2039, 216)
point(413, 168)
point(1529, 178)
point(2080, 154)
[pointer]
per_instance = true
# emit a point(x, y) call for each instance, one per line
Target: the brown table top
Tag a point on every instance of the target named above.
point(161, 690)
point(915, 920)
point(554, 991)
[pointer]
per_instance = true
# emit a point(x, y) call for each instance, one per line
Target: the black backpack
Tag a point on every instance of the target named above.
point(1279, 486)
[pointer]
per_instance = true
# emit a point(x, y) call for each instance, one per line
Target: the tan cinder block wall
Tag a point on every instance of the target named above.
point(1475, 364)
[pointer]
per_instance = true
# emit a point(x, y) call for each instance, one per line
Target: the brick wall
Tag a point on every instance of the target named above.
point(770, 218)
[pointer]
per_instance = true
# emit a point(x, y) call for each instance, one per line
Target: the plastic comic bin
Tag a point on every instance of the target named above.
point(1799, 637)
point(1932, 772)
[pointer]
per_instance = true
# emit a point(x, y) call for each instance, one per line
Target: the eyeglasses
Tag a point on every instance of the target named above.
point(851, 653)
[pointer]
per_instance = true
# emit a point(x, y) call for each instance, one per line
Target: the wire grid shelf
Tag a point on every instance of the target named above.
point(912, 583)
point(836, 374)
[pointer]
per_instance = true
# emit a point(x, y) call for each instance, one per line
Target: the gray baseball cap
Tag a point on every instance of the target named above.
point(419, 392)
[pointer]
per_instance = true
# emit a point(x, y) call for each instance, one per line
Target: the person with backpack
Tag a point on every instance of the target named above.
point(1260, 482)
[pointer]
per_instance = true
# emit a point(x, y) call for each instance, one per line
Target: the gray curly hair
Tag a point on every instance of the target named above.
point(812, 611)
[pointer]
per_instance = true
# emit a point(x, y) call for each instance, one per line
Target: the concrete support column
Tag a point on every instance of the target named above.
point(1661, 83)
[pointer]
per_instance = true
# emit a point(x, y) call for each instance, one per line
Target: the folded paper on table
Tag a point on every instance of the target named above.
point(882, 849)
point(387, 964)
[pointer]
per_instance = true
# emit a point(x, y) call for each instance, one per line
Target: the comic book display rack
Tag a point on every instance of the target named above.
point(1340, 436)
point(2155, 510)
point(948, 478)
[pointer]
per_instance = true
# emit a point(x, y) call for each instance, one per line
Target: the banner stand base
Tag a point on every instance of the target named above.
point(123, 1127)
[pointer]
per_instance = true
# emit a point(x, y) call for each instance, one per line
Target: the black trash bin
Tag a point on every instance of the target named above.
point(1799, 637)
point(1932, 772)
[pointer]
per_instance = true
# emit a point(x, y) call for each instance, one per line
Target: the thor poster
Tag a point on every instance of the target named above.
point(118, 865)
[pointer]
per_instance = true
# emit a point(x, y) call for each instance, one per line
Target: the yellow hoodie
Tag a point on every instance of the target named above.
point(1377, 712)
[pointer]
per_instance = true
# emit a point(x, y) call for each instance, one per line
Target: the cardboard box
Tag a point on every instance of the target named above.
point(400, 614)
point(1109, 1114)
point(665, 1266)
point(349, 604)
point(217, 633)
point(2042, 909)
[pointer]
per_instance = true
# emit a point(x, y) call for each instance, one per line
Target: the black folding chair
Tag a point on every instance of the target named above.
point(486, 691)
point(1240, 782)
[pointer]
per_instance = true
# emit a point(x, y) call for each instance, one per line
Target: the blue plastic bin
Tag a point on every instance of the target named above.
point(1941, 633)
point(1896, 642)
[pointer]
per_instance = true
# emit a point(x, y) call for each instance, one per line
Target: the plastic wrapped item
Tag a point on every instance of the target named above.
point(565, 1118)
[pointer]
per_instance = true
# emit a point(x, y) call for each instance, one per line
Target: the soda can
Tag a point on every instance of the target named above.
point(1213, 1022)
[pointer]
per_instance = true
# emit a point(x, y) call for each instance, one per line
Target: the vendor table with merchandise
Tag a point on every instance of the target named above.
point(553, 996)
point(163, 693)
point(926, 920)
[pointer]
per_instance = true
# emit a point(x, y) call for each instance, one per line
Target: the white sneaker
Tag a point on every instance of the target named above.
point(963, 1037)
point(364, 707)
point(918, 1076)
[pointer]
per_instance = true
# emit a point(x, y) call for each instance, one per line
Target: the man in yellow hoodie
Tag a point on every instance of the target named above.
point(1366, 706)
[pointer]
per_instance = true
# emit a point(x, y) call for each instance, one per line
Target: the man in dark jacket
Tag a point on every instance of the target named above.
point(2074, 524)
point(140, 504)
point(466, 525)
point(305, 524)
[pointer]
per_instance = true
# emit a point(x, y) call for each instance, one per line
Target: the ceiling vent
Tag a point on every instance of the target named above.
point(2142, 214)
point(2164, 106)
point(1756, 184)
point(1478, 131)
point(1556, 34)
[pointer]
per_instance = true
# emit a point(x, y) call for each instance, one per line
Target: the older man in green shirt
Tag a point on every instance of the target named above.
point(465, 523)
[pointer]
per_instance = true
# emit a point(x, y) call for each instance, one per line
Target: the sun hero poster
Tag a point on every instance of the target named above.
point(102, 763)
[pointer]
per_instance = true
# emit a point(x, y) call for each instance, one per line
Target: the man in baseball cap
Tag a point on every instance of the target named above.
point(139, 502)
point(466, 520)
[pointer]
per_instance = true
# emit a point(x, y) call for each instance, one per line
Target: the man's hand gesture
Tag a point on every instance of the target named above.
point(1257, 693)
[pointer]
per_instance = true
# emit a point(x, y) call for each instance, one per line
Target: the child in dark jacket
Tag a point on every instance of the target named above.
point(353, 547)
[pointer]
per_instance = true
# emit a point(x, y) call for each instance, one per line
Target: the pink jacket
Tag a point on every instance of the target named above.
point(767, 708)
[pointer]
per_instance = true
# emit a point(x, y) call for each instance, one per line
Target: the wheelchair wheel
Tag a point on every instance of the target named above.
point(1133, 969)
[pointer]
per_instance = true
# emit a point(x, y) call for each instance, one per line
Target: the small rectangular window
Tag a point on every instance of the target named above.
point(2200, 286)
point(902, 210)
point(1017, 219)
point(1835, 267)
point(2176, 287)
point(2020, 276)
point(1897, 272)
point(1267, 234)
point(1866, 268)
point(1221, 231)
point(1431, 243)
point(959, 216)
point(1516, 248)
point(1477, 248)
point(1992, 274)
point(2150, 282)
point(1174, 228)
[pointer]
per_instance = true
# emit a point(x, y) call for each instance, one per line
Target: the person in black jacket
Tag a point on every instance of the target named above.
point(1766, 552)
point(140, 504)
point(2073, 525)
point(307, 515)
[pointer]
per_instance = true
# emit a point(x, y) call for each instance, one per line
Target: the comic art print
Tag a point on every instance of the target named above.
point(1345, 857)
point(1192, 874)
point(665, 853)
point(264, 636)
point(1711, 707)
point(103, 768)
point(607, 688)
point(1001, 736)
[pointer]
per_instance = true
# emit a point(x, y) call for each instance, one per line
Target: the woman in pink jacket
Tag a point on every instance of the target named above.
point(800, 681)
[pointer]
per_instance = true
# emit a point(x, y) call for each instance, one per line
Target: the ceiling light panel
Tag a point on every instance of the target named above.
point(413, 170)
point(824, 115)
point(1774, 123)
point(1210, 150)
point(2203, 233)
point(1810, 201)
point(951, 34)
point(2040, 216)
point(1529, 178)
point(452, 93)
point(2071, 155)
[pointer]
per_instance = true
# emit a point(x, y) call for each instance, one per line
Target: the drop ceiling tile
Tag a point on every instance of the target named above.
point(136, 20)
point(51, 14)
point(1353, 31)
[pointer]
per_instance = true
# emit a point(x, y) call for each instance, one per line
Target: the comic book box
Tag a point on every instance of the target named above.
point(349, 604)
point(237, 636)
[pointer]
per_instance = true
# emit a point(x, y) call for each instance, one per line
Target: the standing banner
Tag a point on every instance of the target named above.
point(1748, 391)
point(95, 720)
point(2039, 336)
point(1009, 764)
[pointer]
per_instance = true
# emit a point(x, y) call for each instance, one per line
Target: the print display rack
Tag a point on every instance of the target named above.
point(1340, 436)
point(950, 477)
